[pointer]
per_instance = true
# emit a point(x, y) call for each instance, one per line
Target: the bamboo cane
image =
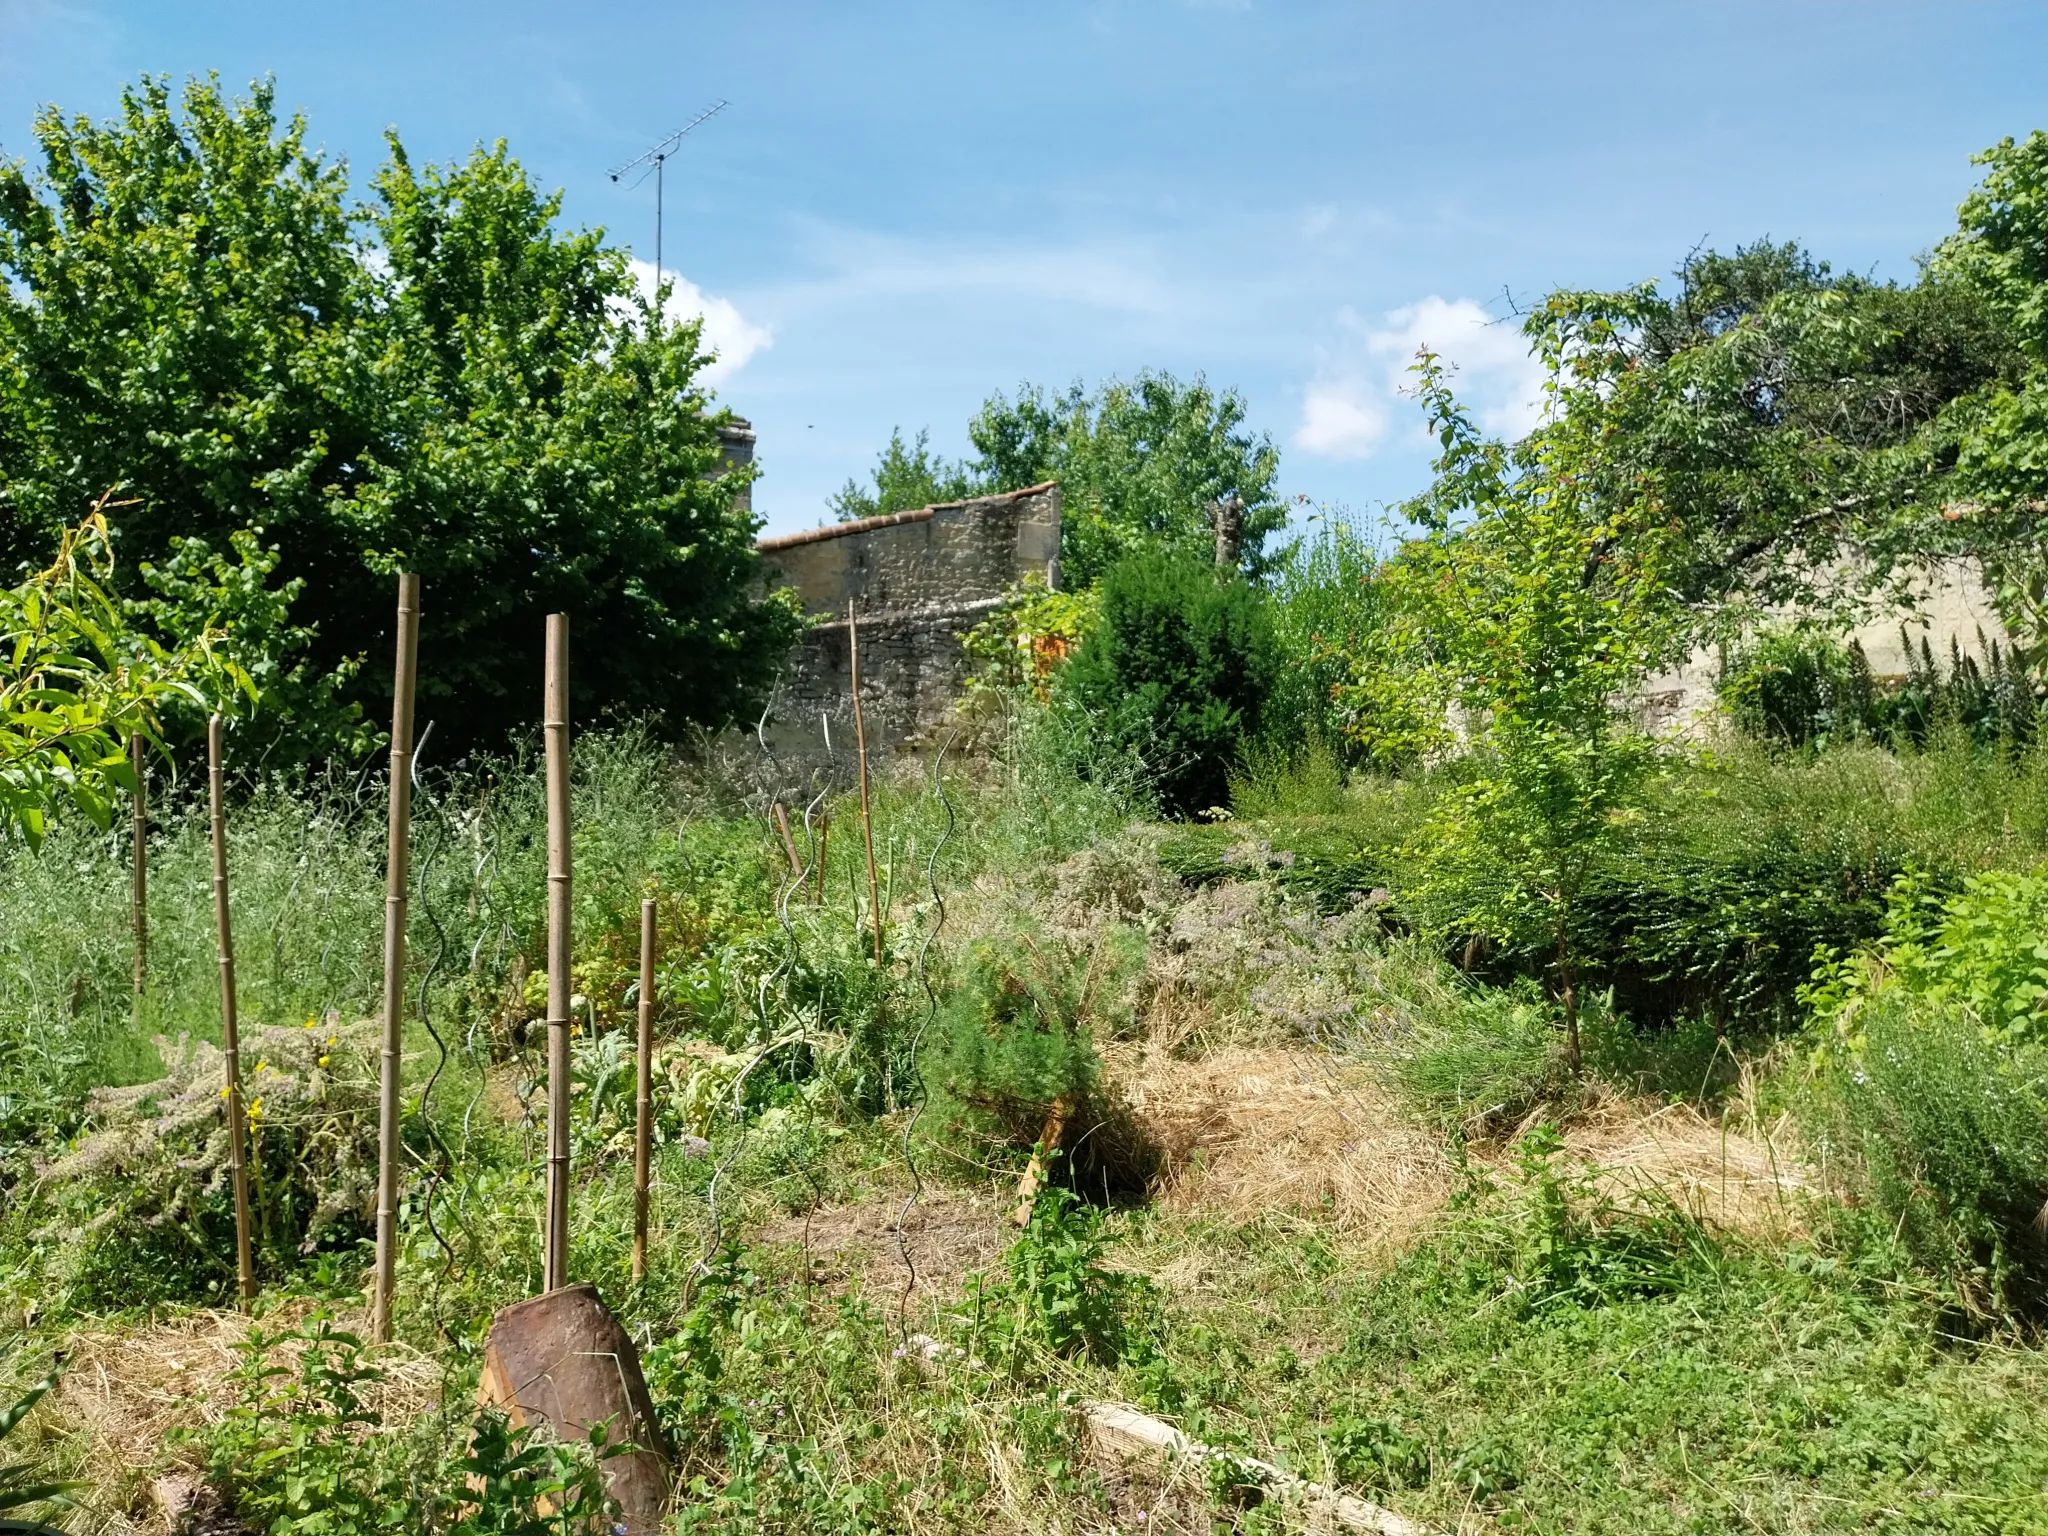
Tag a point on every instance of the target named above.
point(139, 838)
point(396, 882)
point(860, 736)
point(643, 1101)
point(231, 1046)
point(555, 726)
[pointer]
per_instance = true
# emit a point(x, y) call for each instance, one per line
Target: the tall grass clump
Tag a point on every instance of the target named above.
point(1323, 598)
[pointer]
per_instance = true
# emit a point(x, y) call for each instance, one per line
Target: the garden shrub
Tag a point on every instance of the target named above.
point(1945, 1134)
point(143, 1209)
point(1808, 689)
point(1013, 1040)
point(1177, 671)
point(1929, 1079)
point(1983, 948)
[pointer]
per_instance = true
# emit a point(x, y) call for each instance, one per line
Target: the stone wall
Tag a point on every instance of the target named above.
point(918, 582)
point(1949, 605)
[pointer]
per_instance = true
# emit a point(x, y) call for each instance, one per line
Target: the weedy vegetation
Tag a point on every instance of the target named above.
point(1316, 1003)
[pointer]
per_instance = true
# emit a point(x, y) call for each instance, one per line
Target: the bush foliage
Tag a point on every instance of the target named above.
point(1176, 673)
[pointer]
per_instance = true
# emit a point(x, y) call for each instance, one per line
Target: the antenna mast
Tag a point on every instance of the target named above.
point(657, 156)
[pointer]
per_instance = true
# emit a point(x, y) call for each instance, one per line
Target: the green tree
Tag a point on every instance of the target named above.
point(548, 446)
point(1535, 608)
point(77, 685)
point(1790, 415)
point(193, 312)
point(2000, 430)
point(1140, 465)
point(906, 477)
point(1176, 672)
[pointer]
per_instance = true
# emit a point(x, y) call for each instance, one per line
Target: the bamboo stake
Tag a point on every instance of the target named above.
point(860, 734)
point(643, 1102)
point(397, 879)
point(139, 837)
point(555, 727)
point(231, 1046)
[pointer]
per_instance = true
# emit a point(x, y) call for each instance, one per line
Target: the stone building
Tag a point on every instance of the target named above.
point(918, 581)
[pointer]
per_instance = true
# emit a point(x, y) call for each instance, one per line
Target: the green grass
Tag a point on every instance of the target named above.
point(1539, 1359)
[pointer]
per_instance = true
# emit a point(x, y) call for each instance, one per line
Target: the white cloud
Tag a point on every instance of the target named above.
point(1341, 419)
point(727, 332)
point(1347, 411)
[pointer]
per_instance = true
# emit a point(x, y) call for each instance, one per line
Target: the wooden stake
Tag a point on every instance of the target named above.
point(643, 1102)
point(231, 1045)
point(1034, 1171)
point(555, 726)
point(860, 736)
point(139, 837)
point(397, 881)
point(796, 865)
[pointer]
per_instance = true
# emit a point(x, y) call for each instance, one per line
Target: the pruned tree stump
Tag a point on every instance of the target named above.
point(562, 1360)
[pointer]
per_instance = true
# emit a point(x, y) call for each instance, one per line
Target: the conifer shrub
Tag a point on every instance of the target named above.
point(1177, 671)
point(1013, 1057)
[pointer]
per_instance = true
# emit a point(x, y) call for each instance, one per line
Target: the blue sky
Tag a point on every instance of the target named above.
point(909, 206)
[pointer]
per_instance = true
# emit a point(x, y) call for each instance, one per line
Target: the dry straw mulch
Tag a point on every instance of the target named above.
point(1249, 1130)
point(125, 1391)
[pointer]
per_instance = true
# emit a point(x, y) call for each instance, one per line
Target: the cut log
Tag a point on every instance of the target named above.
point(1124, 1431)
point(562, 1360)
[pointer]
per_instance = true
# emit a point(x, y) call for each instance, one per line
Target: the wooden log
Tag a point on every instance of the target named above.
point(397, 882)
point(1124, 1431)
point(562, 1360)
point(643, 1098)
point(230, 1034)
point(555, 727)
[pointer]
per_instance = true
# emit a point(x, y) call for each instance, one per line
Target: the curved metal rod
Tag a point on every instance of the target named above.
point(931, 999)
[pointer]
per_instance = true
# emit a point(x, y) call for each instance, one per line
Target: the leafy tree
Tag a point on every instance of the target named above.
point(548, 447)
point(2000, 430)
point(1789, 415)
point(191, 313)
point(1533, 609)
point(906, 477)
point(76, 685)
point(1140, 465)
point(1176, 671)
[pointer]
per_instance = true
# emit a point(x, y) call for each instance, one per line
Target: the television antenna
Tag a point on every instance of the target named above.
point(657, 157)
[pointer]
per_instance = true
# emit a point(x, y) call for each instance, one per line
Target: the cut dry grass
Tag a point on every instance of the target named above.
point(1248, 1131)
point(126, 1392)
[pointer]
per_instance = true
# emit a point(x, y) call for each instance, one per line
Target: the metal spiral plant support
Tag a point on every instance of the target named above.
point(798, 882)
point(770, 1043)
point(437, 1172)
point(931, 1001)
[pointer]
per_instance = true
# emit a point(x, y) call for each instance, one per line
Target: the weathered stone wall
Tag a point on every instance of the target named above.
point(1950, 606)
point(918, 581)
